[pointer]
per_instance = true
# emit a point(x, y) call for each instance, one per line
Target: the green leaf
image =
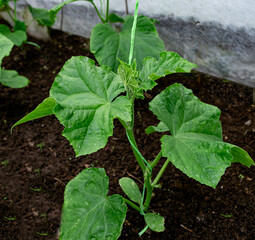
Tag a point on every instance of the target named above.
point(88, 213)
point(196, 145)
point(6, 46)
point(160, 128)
point(155, 222)
point(18, 37)
point(43, 16)
point(43, 109)
point(131, 189)
point(87, 102)
point(47, 17)
point(115, 18)
point(11, 78)
point(3, 4)
point(108, 45)
point(20, 26)
point(168, 63)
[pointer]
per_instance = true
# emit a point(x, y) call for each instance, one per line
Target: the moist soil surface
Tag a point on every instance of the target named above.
point(36, 161)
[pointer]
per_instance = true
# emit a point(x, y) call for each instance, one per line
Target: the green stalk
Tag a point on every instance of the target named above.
point(15, 10)
point(98, 13)
point(149, 189)
point(138, 156)
point(107, 11)
point(160, 173)
point(9, 13)
point(155, 161)
point(126, 7)
point(132, 204)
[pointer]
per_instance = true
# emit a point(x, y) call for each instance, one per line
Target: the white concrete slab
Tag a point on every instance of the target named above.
point(217, 35)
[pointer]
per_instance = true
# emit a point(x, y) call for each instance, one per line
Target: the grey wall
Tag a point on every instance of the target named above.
point(219, 36)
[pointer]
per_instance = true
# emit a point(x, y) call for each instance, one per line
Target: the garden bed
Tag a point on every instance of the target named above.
point(36, 162)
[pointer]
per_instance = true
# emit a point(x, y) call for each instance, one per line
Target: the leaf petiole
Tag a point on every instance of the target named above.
point(154, 183)
point(156, 160)
point(132, 204)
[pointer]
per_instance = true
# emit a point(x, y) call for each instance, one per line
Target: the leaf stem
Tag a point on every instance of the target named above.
point(138, 155)
point(160, 172)
point(9, 13)
point(98, 13)
point(132, 204)
point(155, 161)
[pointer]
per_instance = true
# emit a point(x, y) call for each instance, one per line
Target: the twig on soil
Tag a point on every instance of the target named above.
point(186, 228)
point(130, 175)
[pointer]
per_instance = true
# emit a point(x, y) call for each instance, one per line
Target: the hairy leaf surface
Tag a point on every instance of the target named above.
point(109, 45)
point(88, 213)
point(87, 102)
point(168, 63)
point(196, 145)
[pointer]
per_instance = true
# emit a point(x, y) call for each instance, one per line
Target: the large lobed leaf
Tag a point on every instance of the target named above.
point(108, 45)
point(88, 213)
point(87, 102)
point(195, 146)
point(168, 63)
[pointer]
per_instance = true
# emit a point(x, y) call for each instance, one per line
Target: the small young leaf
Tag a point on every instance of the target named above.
point(87, 102)
point(19, 25)
point(155, 222)
point(131, 189)
point(196, 145)
point(17, 37)
point(88, 213)
point(43, 16)
point(43, 109)
point(47, 17)
point(168, 63)
point(11, 78)
point(115, 18)
point(160, 128)
point(108, 45)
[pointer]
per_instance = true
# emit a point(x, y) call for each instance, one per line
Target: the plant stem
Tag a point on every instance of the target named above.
point(131, 138)
point(155, 161)
point(126, 3)
point(149, 189)
point(15, 10)
point(98, 13)
point(107, 11)
point(132, 204)
point(9, 13)
point(160, 172)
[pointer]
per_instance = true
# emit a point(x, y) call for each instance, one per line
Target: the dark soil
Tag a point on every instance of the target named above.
point(36, 162)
